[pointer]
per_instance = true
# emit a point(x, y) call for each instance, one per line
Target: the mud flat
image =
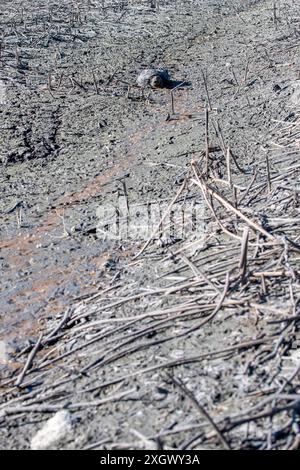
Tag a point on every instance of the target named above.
point(147, 338)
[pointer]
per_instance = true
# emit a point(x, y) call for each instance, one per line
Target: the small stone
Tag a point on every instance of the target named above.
point(53, 431)
point(2, 92)
point(3, 352)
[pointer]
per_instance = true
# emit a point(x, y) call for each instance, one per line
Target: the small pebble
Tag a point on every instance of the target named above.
point(53, 431)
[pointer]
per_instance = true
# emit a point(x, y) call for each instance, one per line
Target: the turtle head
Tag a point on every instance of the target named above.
point(157, 82)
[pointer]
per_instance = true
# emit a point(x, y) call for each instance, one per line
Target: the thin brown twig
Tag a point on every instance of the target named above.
point(201, 409)
point(29, 361)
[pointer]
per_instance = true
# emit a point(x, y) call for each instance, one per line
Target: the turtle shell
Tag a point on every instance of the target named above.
point(154, 78)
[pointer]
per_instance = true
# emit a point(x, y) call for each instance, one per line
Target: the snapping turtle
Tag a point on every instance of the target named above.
point(154, 78)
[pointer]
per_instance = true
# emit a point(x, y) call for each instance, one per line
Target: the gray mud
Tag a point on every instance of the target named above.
point(76, 134)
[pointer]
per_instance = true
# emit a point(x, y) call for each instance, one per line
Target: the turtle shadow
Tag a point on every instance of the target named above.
point(172, 84)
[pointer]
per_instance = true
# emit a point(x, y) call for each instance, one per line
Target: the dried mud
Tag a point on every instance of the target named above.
point(76, 131)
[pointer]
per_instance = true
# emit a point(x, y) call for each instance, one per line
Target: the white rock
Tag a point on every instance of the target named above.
point(2, 92)
point(295, 98)
point(294, 355)
point(53, 431)
point(3, 352)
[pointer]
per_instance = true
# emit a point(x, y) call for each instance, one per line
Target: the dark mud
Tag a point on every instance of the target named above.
point(76, 134)
point(66, 144)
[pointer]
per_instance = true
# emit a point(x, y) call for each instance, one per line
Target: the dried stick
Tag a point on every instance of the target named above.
point(244, 250)
point(158, 228)
point(246, 71)
point(248, 189)
point(268, 174)
point(59, 326)
point(206, 90)
point(188, 360)
point(172, 103)
point(197, 272)
point(95, 84)
point(49, 85)
point(201, 409)
point(205, 188)
point(71, 406)
point(29, 361)
point(206, 141)
point(172, 97)
point(275, 19)
point(228, 167)
point(216, 309)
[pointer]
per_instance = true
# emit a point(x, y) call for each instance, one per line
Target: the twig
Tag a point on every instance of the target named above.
point(95, 83)
point(244, 250)
point(71, 406)
point(205, 188)
point(59, 326)
point(204, 76)
point(201, 409)
point(206, 141)
point(228, 167)
point(246, 71)
point(158, 228)
point(29, 361)
point(268, 174)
